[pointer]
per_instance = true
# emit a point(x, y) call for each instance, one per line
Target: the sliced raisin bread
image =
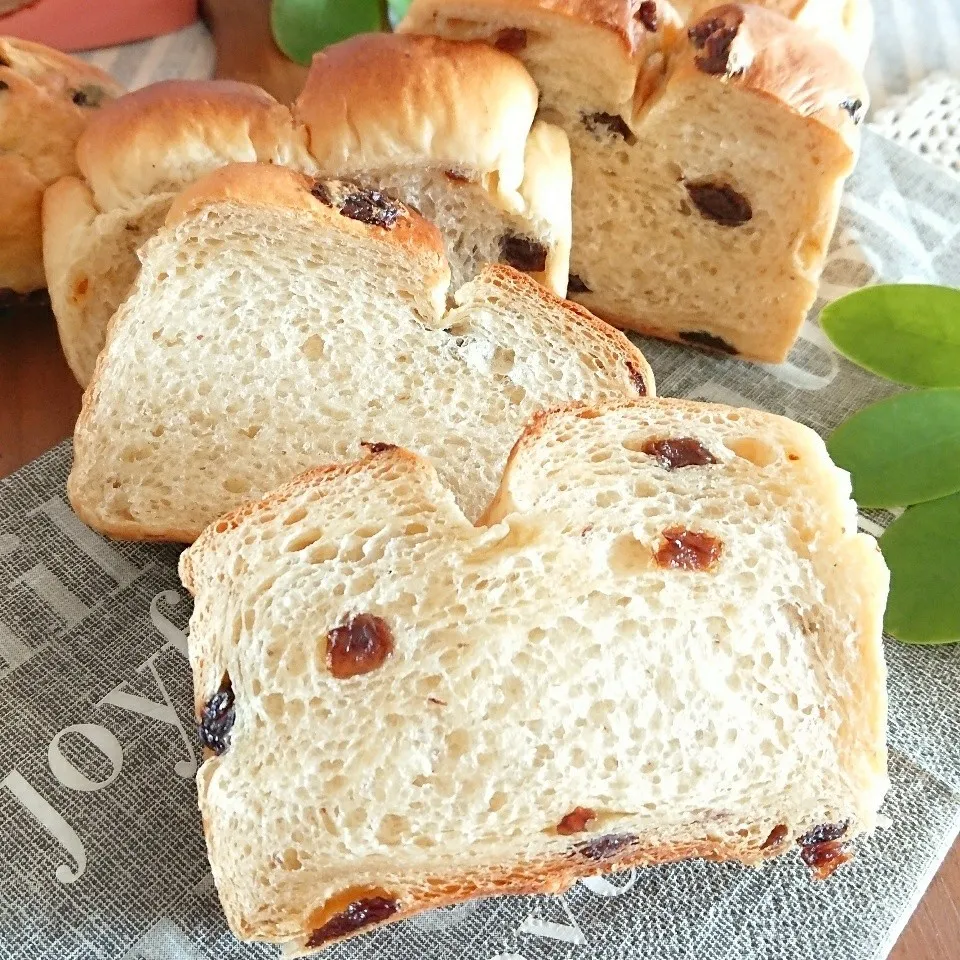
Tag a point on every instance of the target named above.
point(46, 101)
point(449, 129)
point(141, 150)
point(279, 322)
point(708, 161)
point(663, 642)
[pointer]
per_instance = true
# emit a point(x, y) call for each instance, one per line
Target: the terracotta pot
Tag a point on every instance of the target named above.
point(84, 24)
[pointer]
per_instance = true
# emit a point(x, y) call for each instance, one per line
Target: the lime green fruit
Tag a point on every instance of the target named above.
point(302, 27)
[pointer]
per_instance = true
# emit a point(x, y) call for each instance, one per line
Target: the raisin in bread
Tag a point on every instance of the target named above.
point(708, 161)
point(46, 101)
point(280, 321)
point(663, 642)
point(847, 24)
point(141, 150)
point(401, 114)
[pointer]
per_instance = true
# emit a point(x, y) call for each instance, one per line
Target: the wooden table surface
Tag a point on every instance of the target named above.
point(39, 402)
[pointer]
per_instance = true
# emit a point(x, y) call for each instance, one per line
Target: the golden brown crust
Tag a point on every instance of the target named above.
point(391, 100)
point(264, 185)
point(552, 875)
point(21, 254)
point(774, 57)
point(46, 100)
point(162, 136)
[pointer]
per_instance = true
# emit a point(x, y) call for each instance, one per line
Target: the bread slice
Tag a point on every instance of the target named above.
point(708, 161)
point(279, 322)
point(46, 100)
point(401, 114)
point(406, 710)
point(133, 159)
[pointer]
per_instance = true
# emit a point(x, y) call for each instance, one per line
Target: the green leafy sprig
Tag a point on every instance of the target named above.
point(905, 451)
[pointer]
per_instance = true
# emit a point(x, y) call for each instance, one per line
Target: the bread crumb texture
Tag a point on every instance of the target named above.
point(553, 701)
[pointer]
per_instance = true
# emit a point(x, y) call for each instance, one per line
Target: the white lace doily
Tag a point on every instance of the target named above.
point(926, 120)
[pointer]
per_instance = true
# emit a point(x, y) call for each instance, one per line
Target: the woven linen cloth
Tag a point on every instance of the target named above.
point(101, 849)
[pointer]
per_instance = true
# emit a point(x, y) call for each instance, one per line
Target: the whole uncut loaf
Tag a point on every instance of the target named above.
point(661, 642)
point(708, 157)
point(46, 101)
point(281, 321)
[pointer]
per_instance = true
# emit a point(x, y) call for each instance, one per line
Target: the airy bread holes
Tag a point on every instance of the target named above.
point(757, 451)
point(313, 347)
point(303, 540)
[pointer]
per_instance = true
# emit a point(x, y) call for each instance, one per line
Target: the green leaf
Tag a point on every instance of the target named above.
point(904, 332)
point(302, 27)
point(922, 549)
point(903, 450)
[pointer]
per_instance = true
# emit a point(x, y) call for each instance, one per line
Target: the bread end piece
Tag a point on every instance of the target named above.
point(391, 100)
point(171, 133)
point(46, 100)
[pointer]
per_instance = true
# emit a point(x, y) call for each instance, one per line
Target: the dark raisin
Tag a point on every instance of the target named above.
point(609, 123)
point(376, 447)
point(360, 914)
point(576, 821)
point(4, 85)
point(4, 62)
point(523, 253)
point(605, 848)
point(359, 646)
point(322, 192)
point(823, 834)
point(720, 203)
point(714, 36)
point(647, 15)
point(88, 96)
point(678, 452)
point(576, 285)
point(454, 177)
point(824, 858)
point(637, 378)
point(777, 835)
point(684, 549)
point(701, 338)
point(511, 40)
point(372, 207)
point(216, 720)
point(855, 107)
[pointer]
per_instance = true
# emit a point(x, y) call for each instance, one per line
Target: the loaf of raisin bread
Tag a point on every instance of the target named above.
point(280, 321)
point(46, 100)
point(141, 150)
point(662, 642)
point(708, 157)
point(449, 129)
